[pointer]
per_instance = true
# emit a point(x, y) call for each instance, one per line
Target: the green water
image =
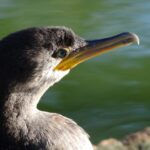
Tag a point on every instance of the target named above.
point(109, 96)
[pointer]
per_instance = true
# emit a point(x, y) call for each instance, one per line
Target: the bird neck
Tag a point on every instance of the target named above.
point(21, 103)
point(16, 110)
point(16, 105)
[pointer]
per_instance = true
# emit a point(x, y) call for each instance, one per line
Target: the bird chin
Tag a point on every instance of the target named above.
point(58, 74)
point(53, 76)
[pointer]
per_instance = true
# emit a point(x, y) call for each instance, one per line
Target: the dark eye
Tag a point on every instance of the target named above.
point(61, 53)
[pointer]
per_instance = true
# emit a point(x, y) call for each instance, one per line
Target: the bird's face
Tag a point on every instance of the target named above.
point(42, 56)
point(30, 56)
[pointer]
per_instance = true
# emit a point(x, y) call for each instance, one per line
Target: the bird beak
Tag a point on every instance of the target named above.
point(94, 48)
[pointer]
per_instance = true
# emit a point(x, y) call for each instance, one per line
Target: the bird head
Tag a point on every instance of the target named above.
point(39, 57)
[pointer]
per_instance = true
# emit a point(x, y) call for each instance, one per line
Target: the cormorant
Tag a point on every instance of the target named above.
point(31, 61)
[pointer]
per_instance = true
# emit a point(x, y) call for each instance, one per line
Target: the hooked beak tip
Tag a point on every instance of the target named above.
point(132, 37)
point(137, 40)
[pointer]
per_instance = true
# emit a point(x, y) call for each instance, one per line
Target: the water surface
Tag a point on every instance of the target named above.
point(109, 96)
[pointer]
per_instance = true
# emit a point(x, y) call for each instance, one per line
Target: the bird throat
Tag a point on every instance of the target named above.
point(21, 103)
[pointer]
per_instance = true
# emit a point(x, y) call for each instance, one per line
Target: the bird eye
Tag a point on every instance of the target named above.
point(61, 53)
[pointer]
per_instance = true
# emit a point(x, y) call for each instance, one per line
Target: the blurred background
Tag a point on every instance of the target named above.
point(109, 96)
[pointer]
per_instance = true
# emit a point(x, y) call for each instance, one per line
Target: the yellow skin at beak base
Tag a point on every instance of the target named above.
point(99, 47)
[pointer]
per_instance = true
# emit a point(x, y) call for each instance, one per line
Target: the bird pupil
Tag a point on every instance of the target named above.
point(61, 53)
